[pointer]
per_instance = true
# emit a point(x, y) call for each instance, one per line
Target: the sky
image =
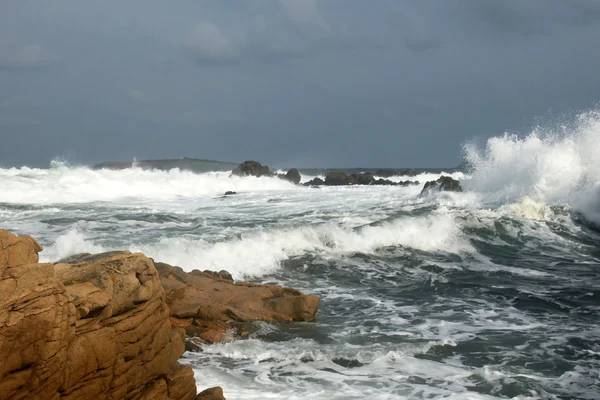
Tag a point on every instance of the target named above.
point(307, 83)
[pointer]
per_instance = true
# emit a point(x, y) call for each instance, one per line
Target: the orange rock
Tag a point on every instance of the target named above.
point(17, 250)
point(92, 330)
point(219, 306)
point(215, 393)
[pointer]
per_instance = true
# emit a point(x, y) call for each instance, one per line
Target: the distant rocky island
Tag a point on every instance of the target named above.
point(185, 163)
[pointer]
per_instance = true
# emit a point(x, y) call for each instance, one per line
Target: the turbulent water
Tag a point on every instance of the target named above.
point(490, 293)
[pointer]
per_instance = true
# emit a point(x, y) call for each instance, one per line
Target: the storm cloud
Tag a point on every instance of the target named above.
point(289, 82)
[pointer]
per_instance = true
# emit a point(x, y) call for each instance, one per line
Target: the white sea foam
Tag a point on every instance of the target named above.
point(67, 244)
point(260, 252)
point(64, 184)
point(549, 166)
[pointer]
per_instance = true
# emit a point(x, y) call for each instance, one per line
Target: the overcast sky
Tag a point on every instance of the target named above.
point(383, 83)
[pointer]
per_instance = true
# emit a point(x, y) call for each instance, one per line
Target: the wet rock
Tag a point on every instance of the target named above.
point(444, 183)
point(293, 175)
point(214, 309)
point(229, 193)
point(252, 168)
point(315, 182)
point(363, 179)
point(338, 179)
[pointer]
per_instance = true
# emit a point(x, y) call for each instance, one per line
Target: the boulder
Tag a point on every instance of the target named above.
point(215, 393)
point(444, 183)
point(212, 307)
point(98, 328)
point(252, 168)
point(338, 179)
point(315, 182)
point(364, 179)
point(293, 175)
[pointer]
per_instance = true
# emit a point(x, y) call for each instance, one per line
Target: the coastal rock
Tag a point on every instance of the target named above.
point(229, 193)
point(215, 393)
point(315, 182)
point(213, 307)
point(17, 250)
point(364, 179)
point(343, 179)
point(293, 175)
point(94, 329)
point(338, 179)
point(444, 183)
point(252, 168)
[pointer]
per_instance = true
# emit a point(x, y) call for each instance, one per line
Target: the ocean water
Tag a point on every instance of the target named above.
point(487, 294)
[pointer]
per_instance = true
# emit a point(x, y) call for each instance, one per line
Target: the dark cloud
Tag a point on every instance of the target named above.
point(532, 17)
point(290, 29)
point(308, 82)
point(27, 57)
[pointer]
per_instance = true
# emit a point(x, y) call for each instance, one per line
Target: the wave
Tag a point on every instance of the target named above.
point(549, 166)
point(257, 253)
point(65, 184)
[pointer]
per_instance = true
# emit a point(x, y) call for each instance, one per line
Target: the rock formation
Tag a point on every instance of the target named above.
point(112, 325)
point(95, 329)
point(212, 307)
point(444, 183)
point(254, 168)
point(337, 178)
point(293, 175)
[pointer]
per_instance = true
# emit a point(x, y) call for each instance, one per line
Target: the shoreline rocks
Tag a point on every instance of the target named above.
point(337, 178)
point(442, 184)
point(254, 168)
point(211, 307)
point(113, 325)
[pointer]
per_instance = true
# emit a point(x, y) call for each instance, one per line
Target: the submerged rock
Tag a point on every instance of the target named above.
point(229, 193)
point(444, 183)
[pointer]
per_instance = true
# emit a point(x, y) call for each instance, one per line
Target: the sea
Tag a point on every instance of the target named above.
point(492, 293)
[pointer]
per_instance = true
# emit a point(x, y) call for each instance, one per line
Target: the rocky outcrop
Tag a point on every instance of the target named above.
point(337, 178)
point(252, 168)
point(211, 307)
point(17, 250)
point(215, 393)
point(113, 325)
point(96, 328)
point(293, 175)
point(444, 183)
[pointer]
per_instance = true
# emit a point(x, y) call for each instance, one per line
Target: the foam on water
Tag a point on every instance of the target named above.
point(261, 251)
point(550, 166)
point(64, 184)
point(478, 295)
